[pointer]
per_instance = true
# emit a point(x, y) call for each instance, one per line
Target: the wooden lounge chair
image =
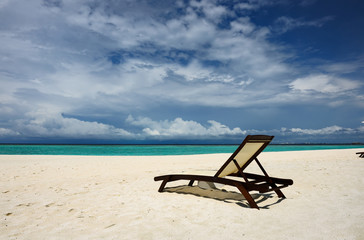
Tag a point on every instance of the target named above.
point(232, 172)
point(361, 154)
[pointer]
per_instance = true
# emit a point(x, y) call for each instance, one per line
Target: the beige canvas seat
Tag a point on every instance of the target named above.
point(246, 153)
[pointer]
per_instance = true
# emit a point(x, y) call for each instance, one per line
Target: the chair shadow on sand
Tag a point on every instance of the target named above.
point(224, 195)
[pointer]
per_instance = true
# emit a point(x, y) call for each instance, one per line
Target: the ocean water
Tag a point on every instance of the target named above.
point(148, 150)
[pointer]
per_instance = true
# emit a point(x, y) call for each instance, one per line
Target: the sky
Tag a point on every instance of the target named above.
point(181, 71)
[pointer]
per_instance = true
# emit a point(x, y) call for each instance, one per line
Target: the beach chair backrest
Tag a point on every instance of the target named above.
point(249, 149)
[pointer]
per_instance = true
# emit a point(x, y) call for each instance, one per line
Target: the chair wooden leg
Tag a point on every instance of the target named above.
point(163, 184)
point(279, 193)
point(191, 183)
point(247, 196)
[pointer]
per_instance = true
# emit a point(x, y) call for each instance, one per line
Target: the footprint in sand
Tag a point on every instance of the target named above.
point(110, 226)
point(49, 204)
point(24, 204)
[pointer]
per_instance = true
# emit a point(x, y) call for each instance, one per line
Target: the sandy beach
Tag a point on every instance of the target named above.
point(102, 197)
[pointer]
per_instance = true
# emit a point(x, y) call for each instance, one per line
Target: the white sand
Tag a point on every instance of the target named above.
point(82, 197)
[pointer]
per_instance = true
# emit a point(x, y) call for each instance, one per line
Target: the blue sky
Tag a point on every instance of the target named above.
point(86, 71)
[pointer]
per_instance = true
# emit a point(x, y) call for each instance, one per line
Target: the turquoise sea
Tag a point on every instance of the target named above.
point(147, 150)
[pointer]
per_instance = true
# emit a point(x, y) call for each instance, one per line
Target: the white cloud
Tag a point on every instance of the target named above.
point(245, 6)
point(242, 25)
point(344, 67)
point(44, 124)
point(294, 132)
point(256, 4)
point(361, 129)
point(193, 71)
point(324, 84)
point(182, 128)
point(284, 24)
point(209, 8)
point(5, 132)
point(326, 130)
